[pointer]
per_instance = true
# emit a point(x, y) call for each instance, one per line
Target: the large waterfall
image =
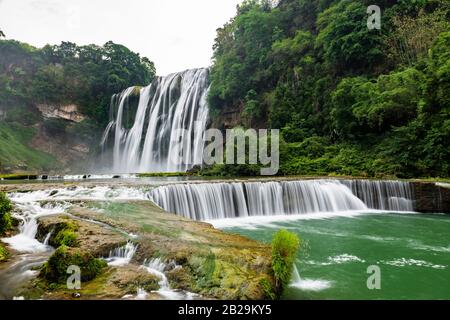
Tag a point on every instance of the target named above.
point(210, 201)
point(159, 128)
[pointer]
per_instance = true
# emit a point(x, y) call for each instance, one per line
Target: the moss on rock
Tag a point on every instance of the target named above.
point(65, 234)
point(55, 269)
point(3, 253)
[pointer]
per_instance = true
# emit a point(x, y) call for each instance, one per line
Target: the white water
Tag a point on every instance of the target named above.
point(157, 267)
point(222, 201)
point(383, 195)
point(308, 284)
point(30, 211)
point(122, 256)
point(153, 143)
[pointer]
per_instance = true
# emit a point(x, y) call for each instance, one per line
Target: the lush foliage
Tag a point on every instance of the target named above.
point(62, 74)
point(348, 100)
point(284, 250)
point(5, 217)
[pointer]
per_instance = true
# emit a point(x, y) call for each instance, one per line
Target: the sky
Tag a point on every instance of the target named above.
point(174, 34)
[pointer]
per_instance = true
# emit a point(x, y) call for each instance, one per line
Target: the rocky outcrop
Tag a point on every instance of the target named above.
point(431, 197)
point(198, 259)
point(67, 112)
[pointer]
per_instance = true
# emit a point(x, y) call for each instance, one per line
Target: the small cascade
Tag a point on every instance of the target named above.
point(308, 284)
point(26, 240)
point(157, 267)
point(383, 195)
point(213, 201)
point(47, 238)
point(167, 120)
point(122, 256)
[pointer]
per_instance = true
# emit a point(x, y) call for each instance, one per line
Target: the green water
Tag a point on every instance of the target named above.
point(412, 251)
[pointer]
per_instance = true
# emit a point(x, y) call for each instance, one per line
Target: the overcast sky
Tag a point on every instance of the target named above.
point(175, 34)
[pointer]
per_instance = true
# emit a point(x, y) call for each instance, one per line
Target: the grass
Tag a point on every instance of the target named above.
point(16, 154)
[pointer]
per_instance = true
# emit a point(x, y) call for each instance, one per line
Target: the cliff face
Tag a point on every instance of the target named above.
point(67, 112)
point(432, 197)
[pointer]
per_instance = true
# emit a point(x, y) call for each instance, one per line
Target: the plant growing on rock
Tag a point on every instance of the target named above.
point(55, 270)
point(3, 253)
point(5, 217)
point(284, 250)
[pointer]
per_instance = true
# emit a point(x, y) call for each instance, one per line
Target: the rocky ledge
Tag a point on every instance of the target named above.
point(200, 261)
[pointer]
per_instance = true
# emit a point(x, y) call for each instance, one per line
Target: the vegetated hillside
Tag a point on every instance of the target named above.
point(54, 101)
point(347, 99)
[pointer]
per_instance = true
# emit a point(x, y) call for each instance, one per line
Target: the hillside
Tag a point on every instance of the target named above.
point(348, 100)
point(54, 101)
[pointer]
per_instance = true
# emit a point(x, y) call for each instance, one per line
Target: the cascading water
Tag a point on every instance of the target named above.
point(122, 256)
point(383, 195)
point(211, 201)
point(157, 267)
point(153, 141)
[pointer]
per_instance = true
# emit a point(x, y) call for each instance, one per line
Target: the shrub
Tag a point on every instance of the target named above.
point(5, 217)
point(284, 250)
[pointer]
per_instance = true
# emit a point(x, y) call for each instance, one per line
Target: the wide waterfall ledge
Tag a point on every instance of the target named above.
point(282, 199)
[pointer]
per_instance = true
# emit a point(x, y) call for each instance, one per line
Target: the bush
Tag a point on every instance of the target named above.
point(284, 250)
point(5, 217)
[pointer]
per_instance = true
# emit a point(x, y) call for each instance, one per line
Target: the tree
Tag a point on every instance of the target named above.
point(2, 35)
point(412, 37)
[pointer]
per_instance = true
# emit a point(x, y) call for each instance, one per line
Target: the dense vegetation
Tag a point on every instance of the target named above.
point(62, 74)
point(348, 100)
point(86, 76)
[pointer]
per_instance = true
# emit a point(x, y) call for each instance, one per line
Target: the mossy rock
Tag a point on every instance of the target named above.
point(65, 235)
point(55, 269)
point(4, 254)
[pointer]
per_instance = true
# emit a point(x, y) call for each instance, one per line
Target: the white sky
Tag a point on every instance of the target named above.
point(175, 34)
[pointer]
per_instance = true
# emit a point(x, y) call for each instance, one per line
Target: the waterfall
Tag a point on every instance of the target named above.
point(383, 195)
point(122, 256)
point(212, 201)
point(30, 210)
point(164, 133)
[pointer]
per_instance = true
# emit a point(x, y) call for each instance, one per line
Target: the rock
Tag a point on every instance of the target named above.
point(431, 197)
point(93, 238)
point(67, 112)
point(55, 269)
